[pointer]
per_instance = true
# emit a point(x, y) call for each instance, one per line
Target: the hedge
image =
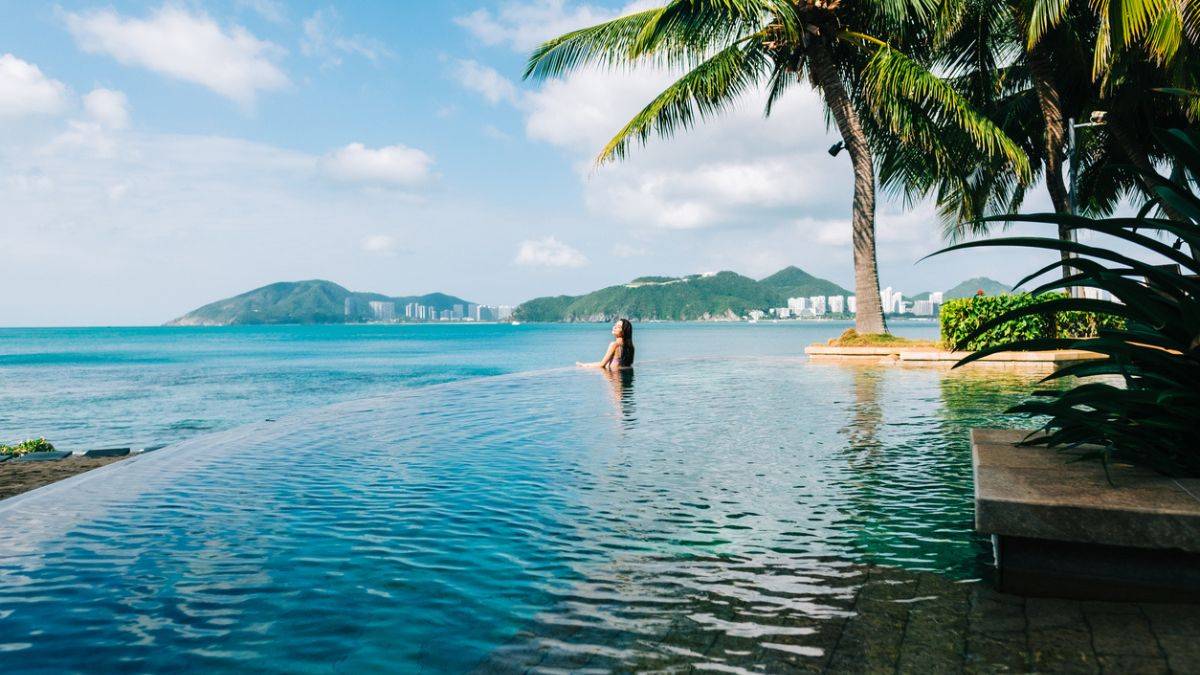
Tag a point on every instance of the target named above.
point(26, 447)
point(959, 318)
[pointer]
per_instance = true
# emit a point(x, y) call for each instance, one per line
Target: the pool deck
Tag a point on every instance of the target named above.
point(899, 622)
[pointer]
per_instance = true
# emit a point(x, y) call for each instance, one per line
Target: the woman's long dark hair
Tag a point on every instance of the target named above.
point(626, 344)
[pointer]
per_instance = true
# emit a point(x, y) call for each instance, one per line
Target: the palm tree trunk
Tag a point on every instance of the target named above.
point(1054, 138)
point(868, 318)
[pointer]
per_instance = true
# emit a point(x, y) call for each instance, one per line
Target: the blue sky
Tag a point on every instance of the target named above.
point(155, 157)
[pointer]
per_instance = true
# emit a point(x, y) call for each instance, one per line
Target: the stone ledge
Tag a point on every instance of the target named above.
point(1034, 492)
point(1062, 529)
point(924, 354)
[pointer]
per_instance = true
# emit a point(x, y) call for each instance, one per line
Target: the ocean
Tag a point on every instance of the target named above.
point(101, 387)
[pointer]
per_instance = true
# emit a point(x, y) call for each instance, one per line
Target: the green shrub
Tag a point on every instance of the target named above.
point(961, 318)
point(26, 447)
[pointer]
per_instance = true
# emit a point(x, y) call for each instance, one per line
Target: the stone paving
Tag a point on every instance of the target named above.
point(894, 622)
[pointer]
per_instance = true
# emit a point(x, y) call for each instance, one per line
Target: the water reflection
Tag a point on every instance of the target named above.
point(622, 386)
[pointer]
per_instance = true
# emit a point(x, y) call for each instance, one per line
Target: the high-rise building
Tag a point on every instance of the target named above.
point(421, 312)
point(936, 297)
point(504, 313)
point(923, 308)
point(457, 312)
point(817, 303)
point(782, 312)
point(797, 304)
point(852, 304)
point(837, 304)
point(383, 311)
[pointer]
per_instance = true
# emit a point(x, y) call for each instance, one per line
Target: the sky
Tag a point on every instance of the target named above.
point(156, 156)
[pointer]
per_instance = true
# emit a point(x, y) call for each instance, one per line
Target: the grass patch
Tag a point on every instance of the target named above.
point(852, 338)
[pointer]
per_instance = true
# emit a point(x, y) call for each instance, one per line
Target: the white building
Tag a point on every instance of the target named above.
point(923, 308)
point(782, 312)
point(852, 304)
point(504, 313)
point(383, 311)
point(797, 304)
point(936, 297)
point(837, 304)
point(818, 304)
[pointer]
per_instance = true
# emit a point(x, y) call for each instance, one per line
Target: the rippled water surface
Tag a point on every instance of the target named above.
point(562, 517)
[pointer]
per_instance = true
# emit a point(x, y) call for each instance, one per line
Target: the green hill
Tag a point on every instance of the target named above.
point(970, 287)
point(306, 302)
point(698, 296)
point(794, 282)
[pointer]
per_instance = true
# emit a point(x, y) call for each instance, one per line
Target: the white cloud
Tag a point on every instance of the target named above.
point(486, 81)
point(548, 252)
point(24, 90)
point(524, 25)
point(271, 10)
point(108, 107)
point(393, 165)
point(322, 40)
point(187, 46)
point(381, 244)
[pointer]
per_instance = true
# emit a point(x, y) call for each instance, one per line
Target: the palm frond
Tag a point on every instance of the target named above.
point(700, 93)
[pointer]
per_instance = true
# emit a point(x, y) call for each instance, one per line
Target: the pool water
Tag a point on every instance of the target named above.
point(494, 523)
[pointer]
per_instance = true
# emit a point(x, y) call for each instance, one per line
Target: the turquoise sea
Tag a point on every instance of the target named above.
point(459, 498)
point(100, 387)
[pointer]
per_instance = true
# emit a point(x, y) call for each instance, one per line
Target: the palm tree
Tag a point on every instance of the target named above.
point(1030, 65)
point(726, 47)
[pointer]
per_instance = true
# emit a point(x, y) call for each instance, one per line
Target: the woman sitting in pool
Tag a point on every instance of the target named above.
point(620, 351)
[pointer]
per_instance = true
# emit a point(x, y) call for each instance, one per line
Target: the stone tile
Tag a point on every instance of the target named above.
point(1173, 619)
point(1063, 649)
point(988, 654)
point(1122, 634)
point(1183, 652)
point(1133, 665)
point(1053, 613)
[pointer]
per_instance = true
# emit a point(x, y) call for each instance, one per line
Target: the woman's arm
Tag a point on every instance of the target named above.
point(602, 363)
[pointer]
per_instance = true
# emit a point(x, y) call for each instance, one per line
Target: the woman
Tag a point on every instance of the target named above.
point(620, 351)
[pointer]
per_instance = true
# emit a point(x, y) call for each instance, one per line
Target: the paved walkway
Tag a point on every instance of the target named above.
point(892, 621)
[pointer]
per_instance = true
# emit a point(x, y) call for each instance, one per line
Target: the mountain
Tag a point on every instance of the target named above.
point(698, 296)
point(969, 288)
point(313, 301)
point(794, 282)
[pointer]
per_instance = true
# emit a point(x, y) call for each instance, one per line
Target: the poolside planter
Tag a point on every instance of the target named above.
point(107, 452)
point(51, 456)
point(1062, 530)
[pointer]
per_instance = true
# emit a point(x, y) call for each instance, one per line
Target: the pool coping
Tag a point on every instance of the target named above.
point(1060, 528)
point(1056, 358)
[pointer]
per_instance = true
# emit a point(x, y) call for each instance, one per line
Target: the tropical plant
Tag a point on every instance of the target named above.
point(1141, 402)
point(1031, 66)
point(960, 318)
point(26, 447)
point(727, 47)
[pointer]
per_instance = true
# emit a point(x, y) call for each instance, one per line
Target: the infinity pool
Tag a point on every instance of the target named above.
point(567, 517)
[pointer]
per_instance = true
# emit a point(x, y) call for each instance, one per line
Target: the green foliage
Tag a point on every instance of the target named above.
point(1141, 403)
point(793, 282)
point(679, 298)
point(971, 287)
point(26, 447)
point(300, 302)
point(852, 338)
point(962, 317)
